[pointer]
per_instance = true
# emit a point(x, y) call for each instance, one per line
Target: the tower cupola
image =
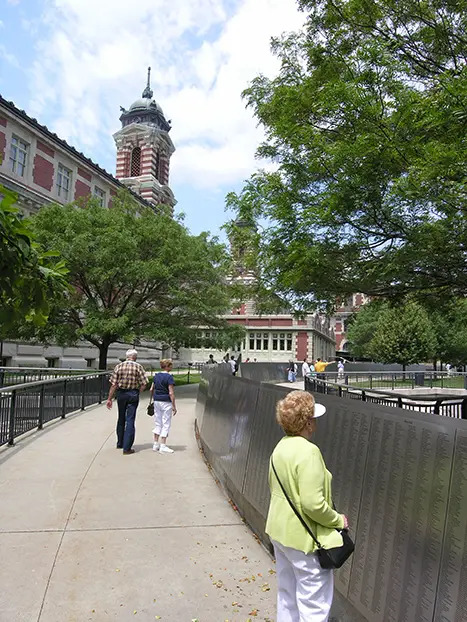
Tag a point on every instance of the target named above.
point(144, 148)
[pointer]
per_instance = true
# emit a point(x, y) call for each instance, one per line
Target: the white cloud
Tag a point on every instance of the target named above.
point(93, 58)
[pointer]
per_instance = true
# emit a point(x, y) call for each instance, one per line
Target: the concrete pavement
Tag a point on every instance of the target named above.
point(89, 534)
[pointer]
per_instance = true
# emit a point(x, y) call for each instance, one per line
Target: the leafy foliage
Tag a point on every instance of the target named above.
point(134, 275)
point(29, 277)
point(366, 122)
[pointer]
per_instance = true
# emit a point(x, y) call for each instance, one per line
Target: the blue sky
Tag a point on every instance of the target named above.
point(72, 63)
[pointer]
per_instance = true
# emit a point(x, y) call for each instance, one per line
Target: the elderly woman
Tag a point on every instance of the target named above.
point(162, 392)
point(305, 590)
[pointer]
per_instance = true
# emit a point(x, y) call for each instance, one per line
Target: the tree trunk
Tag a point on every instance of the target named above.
point(103, 352)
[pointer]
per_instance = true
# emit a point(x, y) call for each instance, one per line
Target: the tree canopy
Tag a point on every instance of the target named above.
point(386, 333)
point(389, 332)
point(29, 277)
point(366, 125)
point(134, 275)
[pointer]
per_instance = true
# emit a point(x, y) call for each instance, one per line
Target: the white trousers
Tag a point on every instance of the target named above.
point(304, 589)
point(162, 418)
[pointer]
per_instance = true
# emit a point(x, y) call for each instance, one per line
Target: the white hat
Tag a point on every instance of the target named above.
point(319, 410)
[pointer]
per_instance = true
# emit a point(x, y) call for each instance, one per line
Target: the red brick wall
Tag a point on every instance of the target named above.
point(302, 346)
point(2, 146)
point(81, 189)
point(43, 172)
point(45, 148)
point(282, 322)
point(84, 174)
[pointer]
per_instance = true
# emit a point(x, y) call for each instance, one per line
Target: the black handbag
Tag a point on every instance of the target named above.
point(150, 410)
point(328, 558)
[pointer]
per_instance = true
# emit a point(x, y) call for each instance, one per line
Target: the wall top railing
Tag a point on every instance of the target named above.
point(454, 405)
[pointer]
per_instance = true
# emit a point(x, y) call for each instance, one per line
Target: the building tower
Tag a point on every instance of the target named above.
point(144, 149)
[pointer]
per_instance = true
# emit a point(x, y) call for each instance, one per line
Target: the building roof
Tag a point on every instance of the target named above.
point(77, 154)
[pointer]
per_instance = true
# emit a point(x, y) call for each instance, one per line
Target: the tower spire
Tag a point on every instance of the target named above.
point(148, 93)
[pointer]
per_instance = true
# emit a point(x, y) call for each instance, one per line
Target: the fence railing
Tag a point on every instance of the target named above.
point(22, 375)
point(449, 406)
point(24, 407)
point(398, 379)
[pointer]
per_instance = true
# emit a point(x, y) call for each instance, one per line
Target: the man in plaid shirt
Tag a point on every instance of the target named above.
point(128, 379)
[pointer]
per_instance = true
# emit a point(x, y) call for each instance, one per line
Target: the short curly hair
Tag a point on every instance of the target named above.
point(293, 412)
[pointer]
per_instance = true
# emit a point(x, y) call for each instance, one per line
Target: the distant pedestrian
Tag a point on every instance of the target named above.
point(305, 367)
point(211, 360)
point(449, 369)
point(163, 394)
point(320, 367)
point(340, 370)
point(292, 372)
point(128, 380)
point(233, 365)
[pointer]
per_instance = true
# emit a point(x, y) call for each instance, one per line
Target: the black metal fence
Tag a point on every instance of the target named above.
point(398, 379)
point(24, 407)
point(21, 375)
point(448, 406)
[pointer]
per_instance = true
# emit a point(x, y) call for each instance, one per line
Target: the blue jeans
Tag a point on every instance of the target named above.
point(127, 400)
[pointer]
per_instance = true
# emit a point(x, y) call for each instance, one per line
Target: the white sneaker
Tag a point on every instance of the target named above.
point(165, 450)
point(156, 446)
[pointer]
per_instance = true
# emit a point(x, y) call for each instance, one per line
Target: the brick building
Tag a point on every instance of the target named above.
point(42, 168)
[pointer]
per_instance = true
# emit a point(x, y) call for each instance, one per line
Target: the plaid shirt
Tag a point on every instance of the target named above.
point(128, 375)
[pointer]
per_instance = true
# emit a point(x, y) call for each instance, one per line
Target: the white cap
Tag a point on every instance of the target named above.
point(319, 410)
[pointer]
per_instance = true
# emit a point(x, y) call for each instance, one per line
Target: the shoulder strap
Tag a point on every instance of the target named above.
point(297, 513)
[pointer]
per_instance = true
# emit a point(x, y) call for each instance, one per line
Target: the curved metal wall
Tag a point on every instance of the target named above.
point(400, 476)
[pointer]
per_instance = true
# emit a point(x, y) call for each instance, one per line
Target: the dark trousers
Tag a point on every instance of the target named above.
point(127, 400)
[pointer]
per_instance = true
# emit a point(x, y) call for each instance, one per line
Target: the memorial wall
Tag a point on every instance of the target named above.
point(400, 476)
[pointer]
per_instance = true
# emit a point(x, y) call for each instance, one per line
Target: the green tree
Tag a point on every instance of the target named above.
point(401, 334)
point(362, 327)
point(450, 324)
point(134, 275)
point(29, 277)
point(366, 122)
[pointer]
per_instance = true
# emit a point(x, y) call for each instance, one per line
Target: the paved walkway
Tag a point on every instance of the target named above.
point(89, 534)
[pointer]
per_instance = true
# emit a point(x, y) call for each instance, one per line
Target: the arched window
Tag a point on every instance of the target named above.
point(135, 162)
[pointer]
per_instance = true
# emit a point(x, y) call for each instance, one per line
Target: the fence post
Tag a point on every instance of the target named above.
point(363, 396)
point(437, 407)
point(188, 375)
point(11, 428)
point(399, 402)
point(41, 408)
point(464, 409)
point(64, 399)
point(371, 381)
point(83, 394)
point(101, 382)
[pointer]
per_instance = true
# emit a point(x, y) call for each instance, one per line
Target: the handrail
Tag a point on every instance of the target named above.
point(451, 406)
point(36, 383)
point(30, 405)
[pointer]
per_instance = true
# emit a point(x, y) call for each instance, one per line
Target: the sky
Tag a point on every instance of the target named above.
point(72, 63)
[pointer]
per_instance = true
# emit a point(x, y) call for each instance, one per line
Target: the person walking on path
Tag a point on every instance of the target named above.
point(292, 372)
point(233, 365)
point(128, 379)
point(340, 370)
point(163, 394)
point(211, 360)
point(304, 589)
point(306, 369)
